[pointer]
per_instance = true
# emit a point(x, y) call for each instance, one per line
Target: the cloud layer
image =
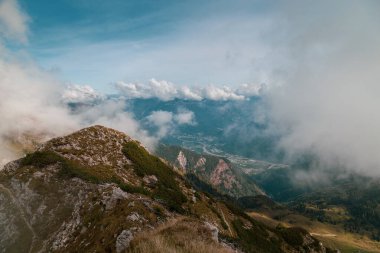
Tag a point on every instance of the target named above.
point(82, 94)
point(329, 102)
point(166, 91)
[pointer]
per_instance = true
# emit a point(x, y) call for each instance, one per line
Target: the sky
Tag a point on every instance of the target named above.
point(195, 43)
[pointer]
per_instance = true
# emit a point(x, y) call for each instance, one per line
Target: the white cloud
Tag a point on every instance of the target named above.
point(30, 104)
point(225, 93)
point(329, 103)
point(114, 114)
point(166, 122)
point(31, 107)
point(160, 117)
point(83, 94)
point(163, 120)
point(162, 90)
point(13, 21)
point(250, 90)
point(166, 91)
point(185, 117)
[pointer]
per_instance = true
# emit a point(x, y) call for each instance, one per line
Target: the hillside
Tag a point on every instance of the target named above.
point(219, 172)
point(273, 214)
point(97, 190)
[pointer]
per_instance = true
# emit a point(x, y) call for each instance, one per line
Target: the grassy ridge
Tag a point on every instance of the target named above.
point(144, 164)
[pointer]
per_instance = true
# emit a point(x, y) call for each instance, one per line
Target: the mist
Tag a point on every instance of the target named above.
point(33, 102)
point(327, 102)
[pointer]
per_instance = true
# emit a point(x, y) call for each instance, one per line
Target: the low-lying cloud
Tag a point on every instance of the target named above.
point(166, 122)
point(81, 94)
point(329, 101)
point(166, 91)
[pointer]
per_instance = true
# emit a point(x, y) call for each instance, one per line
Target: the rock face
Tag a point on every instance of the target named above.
point(86, 193)
point(182, 161)
point(214, 170)
point(222, 174)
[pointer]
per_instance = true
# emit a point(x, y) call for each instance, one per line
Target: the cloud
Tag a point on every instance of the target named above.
point(166, 122)
point(30, 104)
point(114, 114)
point(82, 94)
point(163, 120)
point(167, 91)
point(185, 117)
point(13, 21)
point(250, 90)
point(29, 96)
point(162, 90)
point(328, 103)
point(225, 93)
point(33, 102)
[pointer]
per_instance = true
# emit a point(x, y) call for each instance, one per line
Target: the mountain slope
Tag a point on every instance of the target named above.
point(97, 190)
point(217, 171)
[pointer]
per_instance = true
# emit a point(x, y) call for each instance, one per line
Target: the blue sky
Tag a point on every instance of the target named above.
point(194, 42)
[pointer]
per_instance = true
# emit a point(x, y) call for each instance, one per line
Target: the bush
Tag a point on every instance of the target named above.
point(253, 240)
point(41, 159)
point(293, 235)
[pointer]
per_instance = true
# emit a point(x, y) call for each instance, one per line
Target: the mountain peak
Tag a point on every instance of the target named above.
point(92, 146)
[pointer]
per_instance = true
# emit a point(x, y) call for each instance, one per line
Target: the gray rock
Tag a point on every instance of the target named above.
point(214, 231)
point(133, 217)
point(123, 240)
point(150, 180)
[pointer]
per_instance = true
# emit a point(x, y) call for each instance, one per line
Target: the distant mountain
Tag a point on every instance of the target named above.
point(97, 190)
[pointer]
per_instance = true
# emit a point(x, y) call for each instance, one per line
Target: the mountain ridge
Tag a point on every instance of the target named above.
point(99, 190)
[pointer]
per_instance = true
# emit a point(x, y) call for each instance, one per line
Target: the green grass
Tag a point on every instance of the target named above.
point(167, 189)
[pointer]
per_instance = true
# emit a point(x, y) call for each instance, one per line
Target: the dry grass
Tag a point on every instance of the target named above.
point(182, 235)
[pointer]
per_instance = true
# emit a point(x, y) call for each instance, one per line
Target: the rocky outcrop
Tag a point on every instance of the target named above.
point(123, 240)
point(182, 161)
point(222, 174)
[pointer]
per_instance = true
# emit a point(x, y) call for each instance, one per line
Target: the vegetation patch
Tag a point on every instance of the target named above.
point(252, 240)
point(292, 235)
point(167, 188)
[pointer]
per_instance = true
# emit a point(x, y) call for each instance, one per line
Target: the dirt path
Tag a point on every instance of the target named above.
point(22, 214)
point(323, 235)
